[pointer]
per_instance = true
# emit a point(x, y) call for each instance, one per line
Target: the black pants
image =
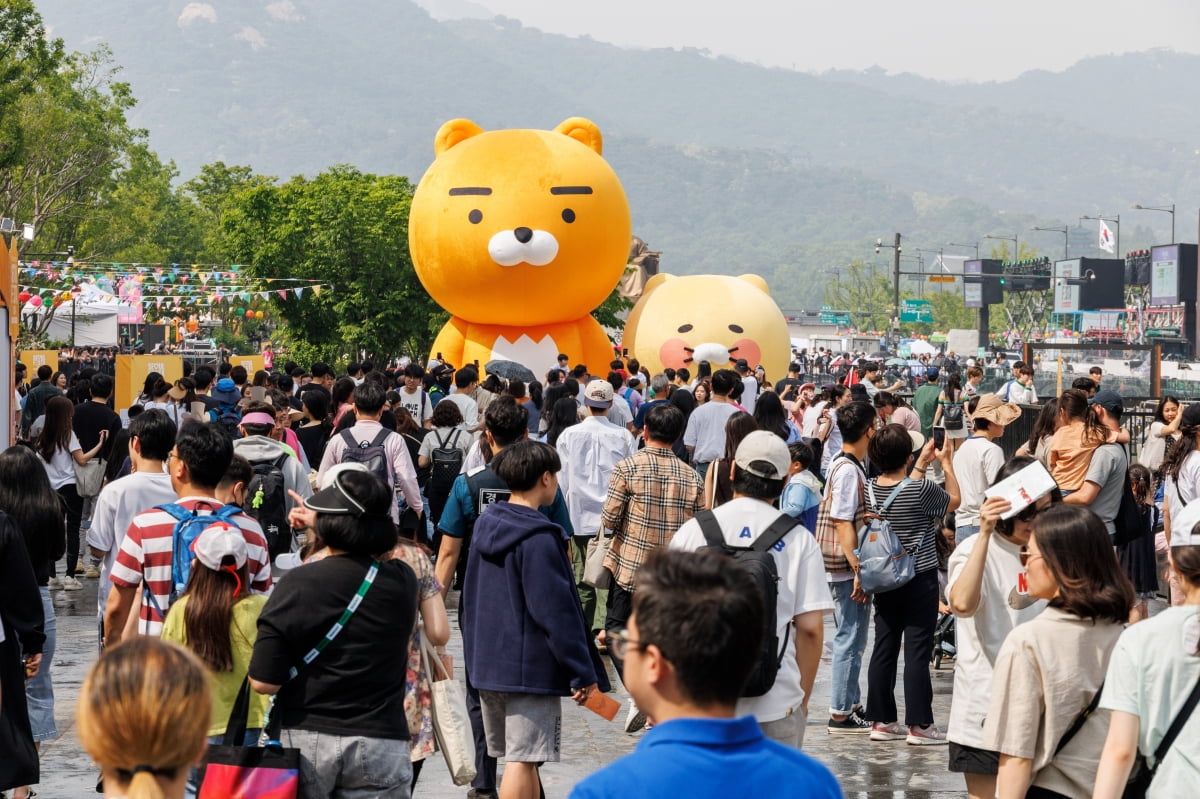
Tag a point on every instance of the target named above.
point(620, 608)
point(74, 504)
point(907, 614)
point(485, 765)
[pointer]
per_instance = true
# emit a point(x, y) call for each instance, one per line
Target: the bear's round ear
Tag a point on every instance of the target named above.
point(654, 282)
point(583, 131)
point(757, 282)
point(454, 132)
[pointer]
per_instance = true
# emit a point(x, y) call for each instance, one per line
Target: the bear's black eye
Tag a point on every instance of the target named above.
point(568, 215)
point(475, 217)
point(736, 328)
point(684, 328)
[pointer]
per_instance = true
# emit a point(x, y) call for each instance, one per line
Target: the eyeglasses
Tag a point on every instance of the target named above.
point(619, 643)
point(1025, 555)
point(1029, 513)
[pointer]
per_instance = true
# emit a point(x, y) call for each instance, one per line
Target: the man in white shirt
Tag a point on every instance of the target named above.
point(589, 451)
point(760, 469)
point(705, 434)
point(466, 380)
point(414, 398)
point(750, 387)
point(151, 436)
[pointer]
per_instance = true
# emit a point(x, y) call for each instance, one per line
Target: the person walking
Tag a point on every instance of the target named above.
point(59, 450)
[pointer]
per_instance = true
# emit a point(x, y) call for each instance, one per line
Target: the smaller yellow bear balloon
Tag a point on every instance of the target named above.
point(680, 321)
point(520, 234)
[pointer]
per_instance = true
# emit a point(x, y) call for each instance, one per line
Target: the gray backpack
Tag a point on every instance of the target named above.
point(883, 562)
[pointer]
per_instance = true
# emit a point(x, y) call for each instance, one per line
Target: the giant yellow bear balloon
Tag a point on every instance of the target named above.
point(680, 321)
point(520, 234)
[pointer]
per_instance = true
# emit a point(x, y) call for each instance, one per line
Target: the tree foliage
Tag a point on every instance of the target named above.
point(26, 57)
point(347, 228)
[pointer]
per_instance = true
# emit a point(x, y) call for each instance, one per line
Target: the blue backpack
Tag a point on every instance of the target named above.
point(188, 527)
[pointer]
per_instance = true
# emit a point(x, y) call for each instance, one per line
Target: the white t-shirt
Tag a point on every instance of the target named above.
point(619, 413)
point(705, 432)
point(61, 466)
point(438, 435)
point(119, 502)
point(750, 389)
point(812, 413)
point(845, 485)
point(1152, 670)
point(417, 404)
point(976, 464)
point(833, 444)
point(589, 451)
point(467, 406)
point(980, 636)
point(801, 589)
point(1182, 492)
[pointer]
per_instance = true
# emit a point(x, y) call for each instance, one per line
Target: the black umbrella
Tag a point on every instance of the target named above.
point(509, 370)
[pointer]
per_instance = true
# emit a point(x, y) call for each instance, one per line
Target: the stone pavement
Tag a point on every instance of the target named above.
point(866, 770)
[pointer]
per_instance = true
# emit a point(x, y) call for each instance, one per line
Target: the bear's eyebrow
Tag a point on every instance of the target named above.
point(470, 190)
point(570, 189)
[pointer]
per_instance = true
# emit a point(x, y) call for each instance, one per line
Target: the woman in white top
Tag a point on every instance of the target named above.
point(1154, 667)
point(60, 450)
point(448, 432)
point(1181, 482)
point(1164, 431)
point(984, 577)
point(1051, 668)
point(160, 398)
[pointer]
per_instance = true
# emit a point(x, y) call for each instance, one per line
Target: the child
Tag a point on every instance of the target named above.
point(525, 640)
point(802, 492)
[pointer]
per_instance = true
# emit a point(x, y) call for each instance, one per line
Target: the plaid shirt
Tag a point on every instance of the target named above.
point(650, 495)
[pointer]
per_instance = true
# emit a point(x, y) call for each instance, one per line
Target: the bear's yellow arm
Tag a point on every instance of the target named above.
point(450, 342)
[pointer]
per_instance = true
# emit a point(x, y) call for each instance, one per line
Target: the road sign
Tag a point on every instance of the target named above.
point(916, 311)
point(942, 278)
point(834, 318)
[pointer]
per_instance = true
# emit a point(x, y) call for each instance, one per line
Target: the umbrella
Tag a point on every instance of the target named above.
point(922, 348)
point(509, 370)
point(896, 362)
point(880, 355)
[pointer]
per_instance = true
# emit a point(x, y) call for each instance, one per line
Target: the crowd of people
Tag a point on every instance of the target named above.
point(283, 546)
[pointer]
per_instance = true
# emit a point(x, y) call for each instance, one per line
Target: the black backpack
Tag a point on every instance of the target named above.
point(1129, 525)
point(447, 460)
point(267, 497)
point(369, 453)
point(759, 563)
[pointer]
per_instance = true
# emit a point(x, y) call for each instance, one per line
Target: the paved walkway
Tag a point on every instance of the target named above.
point(865, 769)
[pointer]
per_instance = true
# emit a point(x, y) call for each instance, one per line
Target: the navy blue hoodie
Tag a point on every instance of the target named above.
point(523, 627)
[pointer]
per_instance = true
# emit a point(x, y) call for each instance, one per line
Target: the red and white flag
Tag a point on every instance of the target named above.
point(1106, 238)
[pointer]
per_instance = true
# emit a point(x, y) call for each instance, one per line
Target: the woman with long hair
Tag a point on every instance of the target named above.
point(160, 398)
point(906, 616)
point(1050, 669)
point(769, 414)
point(951, 395)
point(564, 414)
point(701, 392)
point(718, 480)
point(148, 384)
point(59, 451)
point(343, 398)
point(37, 511)
point(143, 712)
point(448, 431)
point(1078, 435)
point(316, 427)
point(1181, 483)
point(1161, 435)
point(1137, 557)
point(1154, 667)
point(983, 585)
point(412, 524)
point(217, 619)
point(1047, 421)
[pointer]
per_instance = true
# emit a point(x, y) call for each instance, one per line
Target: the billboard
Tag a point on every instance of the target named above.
point(1066, 296)
point(972, 288)
point(1164, 275)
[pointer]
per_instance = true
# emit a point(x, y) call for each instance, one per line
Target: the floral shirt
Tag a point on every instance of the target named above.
point(416, 689)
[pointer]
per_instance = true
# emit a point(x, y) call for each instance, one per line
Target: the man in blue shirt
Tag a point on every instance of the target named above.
point(693, 638)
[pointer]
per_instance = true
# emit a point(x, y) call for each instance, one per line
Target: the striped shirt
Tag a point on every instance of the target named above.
point(650, 496)
point(915, 516)
point(145, 557)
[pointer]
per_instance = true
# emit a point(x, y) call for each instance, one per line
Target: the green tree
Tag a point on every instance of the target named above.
point(213, 192)
point(863, 291)
point(350, 230)
point(27, 56)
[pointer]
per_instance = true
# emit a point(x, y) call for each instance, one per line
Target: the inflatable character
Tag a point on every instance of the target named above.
point(520, 234)
point(680, 321)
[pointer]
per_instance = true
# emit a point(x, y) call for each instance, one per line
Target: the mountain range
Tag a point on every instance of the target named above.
point(729, 167)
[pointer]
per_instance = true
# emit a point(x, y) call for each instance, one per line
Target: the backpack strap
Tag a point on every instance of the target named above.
point(775, 533)
point(710, 528)
point(348, 437)
point(380, 437)
point(1176, 727)
point(887, 503)
point(457, 433)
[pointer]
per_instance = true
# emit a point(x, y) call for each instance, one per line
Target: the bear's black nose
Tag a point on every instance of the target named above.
point(523, 234)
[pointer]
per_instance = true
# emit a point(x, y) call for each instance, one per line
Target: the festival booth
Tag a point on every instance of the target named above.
point(132, 371)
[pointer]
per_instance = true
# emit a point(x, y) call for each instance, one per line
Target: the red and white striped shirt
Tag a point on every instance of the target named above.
point(146, 552)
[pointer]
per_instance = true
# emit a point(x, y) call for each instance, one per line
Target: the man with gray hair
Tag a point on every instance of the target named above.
point(660, 392)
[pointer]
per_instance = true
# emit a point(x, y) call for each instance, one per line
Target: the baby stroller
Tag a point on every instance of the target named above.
point(943, 639)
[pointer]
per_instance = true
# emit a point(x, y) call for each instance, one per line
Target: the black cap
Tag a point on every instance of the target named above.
point(742, 365)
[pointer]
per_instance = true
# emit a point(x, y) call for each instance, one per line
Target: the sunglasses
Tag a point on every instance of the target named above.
point(1025, 555)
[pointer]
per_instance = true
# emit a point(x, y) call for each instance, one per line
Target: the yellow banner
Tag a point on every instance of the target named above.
point(133, 369)
point(35, 358)
point(251, 363)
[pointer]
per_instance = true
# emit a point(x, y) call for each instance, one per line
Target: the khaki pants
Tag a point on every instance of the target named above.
point(593, 599)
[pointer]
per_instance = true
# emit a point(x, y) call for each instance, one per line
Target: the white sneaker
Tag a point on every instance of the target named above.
point(635, 719)
point(55, 584)
point(925, 736)
point(71, 584)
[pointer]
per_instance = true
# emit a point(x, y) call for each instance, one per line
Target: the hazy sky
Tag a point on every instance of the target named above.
point(963, 40)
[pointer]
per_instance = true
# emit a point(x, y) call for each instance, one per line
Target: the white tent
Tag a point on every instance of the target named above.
point(95, 323)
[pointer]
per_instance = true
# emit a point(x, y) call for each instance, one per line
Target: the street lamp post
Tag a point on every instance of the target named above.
point(1013, 239)
point(1066, 237)
point(1170, 209)
point(879, 245)
point(1116, 220)
point(974, 246)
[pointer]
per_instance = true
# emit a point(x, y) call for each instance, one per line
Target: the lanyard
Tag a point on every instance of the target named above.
point(341, 622)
